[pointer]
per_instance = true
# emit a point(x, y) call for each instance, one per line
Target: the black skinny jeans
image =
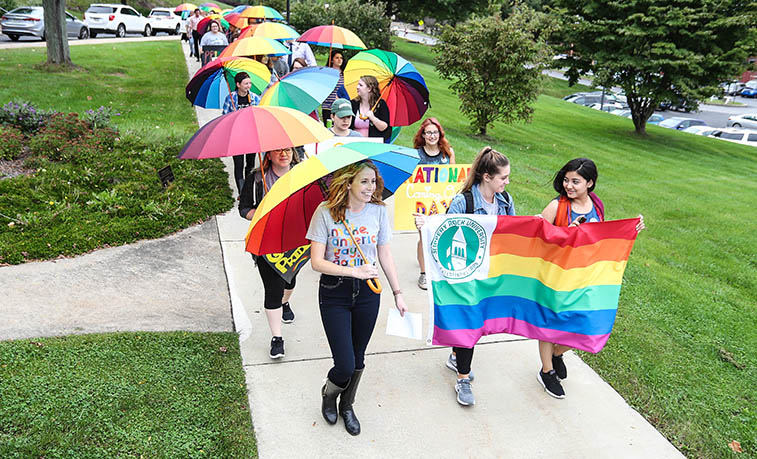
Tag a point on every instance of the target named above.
point(197, 37)
point(242, 170)
point(348, 311)
point(274, 285)
point(464, 359)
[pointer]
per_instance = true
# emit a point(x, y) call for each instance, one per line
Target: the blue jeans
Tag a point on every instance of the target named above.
point(348, 311)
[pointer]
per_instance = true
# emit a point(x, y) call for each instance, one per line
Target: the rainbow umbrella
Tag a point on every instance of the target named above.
point(211, 5)
point(211, 85)
point(255, 46)
point(239, 9)
point(284, 214)
point(304, 89)
point(274, 30)
point(254, 129)
point(333, 37)
point(260, 12)
point(185, 7)
point(205, 23)
point(209, 9)
point(236, 20)
point(401, 86)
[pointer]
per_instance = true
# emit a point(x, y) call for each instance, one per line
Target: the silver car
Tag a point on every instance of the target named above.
point(747, 120)
point(30, 21)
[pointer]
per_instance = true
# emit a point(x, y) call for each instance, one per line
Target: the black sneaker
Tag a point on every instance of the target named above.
point(277, 347)
point(559, 367)
point(550, 383)
point(287, 316)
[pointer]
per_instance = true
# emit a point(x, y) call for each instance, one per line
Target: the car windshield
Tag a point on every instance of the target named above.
point(160, 13)
point(23, 10)
point(672, 122)
point(101, 9)
point(731, 135)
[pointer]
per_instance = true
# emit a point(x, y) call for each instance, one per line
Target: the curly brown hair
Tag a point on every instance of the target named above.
point(339, 194)
point(420, 141)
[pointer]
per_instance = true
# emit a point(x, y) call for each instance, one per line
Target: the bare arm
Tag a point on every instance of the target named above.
point(451, 156)
point(550, 212)
point(250, 214)
point(387, 264)
point(319, 263)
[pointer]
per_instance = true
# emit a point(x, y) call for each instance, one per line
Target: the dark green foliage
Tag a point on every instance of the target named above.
point(24, 116)
point(366, 19)
point(68, 138)
point(658, 50)
point(11, 142)
point(125, 395)
point(495, 65)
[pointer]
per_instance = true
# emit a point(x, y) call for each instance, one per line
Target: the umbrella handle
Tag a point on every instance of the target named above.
point(373, 284)
point(377, 101)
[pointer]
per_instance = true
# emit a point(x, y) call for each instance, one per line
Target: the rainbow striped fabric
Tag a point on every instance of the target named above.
point(522, 275)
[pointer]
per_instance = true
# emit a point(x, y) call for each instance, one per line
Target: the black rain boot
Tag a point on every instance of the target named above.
point(345, 404)
point(330, 392)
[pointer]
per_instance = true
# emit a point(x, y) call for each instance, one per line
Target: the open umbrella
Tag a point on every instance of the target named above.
point(260, 12)
point(211, 5)
point(401, 86)
point(205, 23)
point(333, 37)
point(254, 129)
point(255, 46)
point(211, 85)
point(210, 9)
point(283, 216)
point(304, 89)
point(236, 20)
point(185, 7)
point(273, 30)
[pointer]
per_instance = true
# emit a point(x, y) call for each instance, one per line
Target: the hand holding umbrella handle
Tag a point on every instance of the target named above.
point(373, 284)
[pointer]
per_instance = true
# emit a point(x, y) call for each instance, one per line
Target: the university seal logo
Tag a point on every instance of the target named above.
point(459, 247)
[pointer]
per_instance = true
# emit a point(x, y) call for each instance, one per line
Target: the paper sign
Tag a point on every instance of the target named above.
point(315, 148)
point(428, 191)
point(406, 327)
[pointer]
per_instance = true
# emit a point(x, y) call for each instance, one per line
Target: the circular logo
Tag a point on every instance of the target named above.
point(459, 247)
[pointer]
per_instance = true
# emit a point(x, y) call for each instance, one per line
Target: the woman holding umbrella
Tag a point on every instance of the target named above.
point(371, 112)
point(277, 290)
point(214, 37)
point(353, 213)
point(236, 100)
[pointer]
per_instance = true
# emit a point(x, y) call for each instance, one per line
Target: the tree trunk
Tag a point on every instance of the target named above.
point(55, 32)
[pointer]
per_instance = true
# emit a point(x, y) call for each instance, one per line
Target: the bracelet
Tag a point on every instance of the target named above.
point(396, 292)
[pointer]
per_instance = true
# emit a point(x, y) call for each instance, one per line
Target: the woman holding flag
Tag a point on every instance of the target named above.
point(483, 193)
point(576, 204)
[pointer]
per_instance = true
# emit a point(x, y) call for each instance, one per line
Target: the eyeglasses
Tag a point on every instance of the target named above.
point(431, 133)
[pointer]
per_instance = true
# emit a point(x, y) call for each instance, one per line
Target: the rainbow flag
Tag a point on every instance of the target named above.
point(522, 275)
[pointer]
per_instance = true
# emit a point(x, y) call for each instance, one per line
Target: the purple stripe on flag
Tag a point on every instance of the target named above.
point(469, 337)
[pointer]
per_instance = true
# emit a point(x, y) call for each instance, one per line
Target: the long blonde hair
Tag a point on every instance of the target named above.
point(488, 161)
point(338, 200)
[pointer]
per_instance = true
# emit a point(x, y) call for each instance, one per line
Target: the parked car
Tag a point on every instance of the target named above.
point(748, 92)
point(701, 130)
point(743, 136)
point(30, 21)
point(677, 105)
point(654, 119)
point(747, 120)
point(732, 88)
point(164, 20)
point(607, 107)
point(590, 99)
point(116, 19)
point(622, 112)
point(681, 123)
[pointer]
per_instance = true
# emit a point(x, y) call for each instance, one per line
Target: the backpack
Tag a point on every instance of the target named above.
point(468, 195)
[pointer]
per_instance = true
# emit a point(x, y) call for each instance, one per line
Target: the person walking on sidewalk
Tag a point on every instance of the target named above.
point(348, 306)
point(575, 204)
point(483, 193)
point(237, 100)
point(192, 29)
point(277, 290)
point(433, 148)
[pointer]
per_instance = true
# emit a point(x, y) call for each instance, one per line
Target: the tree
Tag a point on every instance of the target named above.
point(657, 50)
point(366, 19)
point(496, 64)
point(55, 32)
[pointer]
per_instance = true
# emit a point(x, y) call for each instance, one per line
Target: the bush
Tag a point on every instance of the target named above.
point(8, 4)
point(24, 116)
point(367, 20)
point(11, 142)
point(99, 118)
point(65, 137)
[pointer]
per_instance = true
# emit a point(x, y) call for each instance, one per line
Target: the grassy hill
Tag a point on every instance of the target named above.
point(682, 350)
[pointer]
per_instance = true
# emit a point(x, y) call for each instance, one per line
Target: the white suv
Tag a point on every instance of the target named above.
point(743, 136)
point(164, 20)
point(115, 18)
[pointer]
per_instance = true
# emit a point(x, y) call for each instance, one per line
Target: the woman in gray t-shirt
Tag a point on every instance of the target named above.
point(349, 308)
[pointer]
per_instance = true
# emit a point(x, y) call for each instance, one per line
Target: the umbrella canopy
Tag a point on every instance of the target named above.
point(401, 86)
point(204, 23)
point(273, 30)
point(210, 9)
point(212, 84)
point(304, 89)
point(254, 129)
point(333, 37)
point(260, 12)
point(295, 196)
point(255, 46)
point(236, 20)
point(211, 5)
point(185, 7)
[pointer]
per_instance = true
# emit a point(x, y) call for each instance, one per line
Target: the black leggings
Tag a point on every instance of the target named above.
point(242, 170)
point(274, 285)
point(196, 36)
point(464, 359)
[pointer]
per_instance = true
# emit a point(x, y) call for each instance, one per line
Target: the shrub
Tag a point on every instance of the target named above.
point(65, 137)
point(11, 142)
point(366, 19)
point(99, 118)
point(24, 116)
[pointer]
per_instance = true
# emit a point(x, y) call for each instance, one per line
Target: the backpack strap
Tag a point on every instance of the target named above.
point(468, 202)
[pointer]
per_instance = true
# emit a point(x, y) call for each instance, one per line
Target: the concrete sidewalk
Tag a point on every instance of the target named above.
point(406, 402)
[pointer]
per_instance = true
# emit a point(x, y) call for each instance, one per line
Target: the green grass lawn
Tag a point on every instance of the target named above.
point(125, 395)
point(683, 348)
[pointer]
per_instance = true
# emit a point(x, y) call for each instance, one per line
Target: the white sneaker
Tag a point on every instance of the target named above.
point(422, 281)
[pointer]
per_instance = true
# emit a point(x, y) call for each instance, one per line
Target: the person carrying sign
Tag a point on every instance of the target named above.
point(277, 290)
